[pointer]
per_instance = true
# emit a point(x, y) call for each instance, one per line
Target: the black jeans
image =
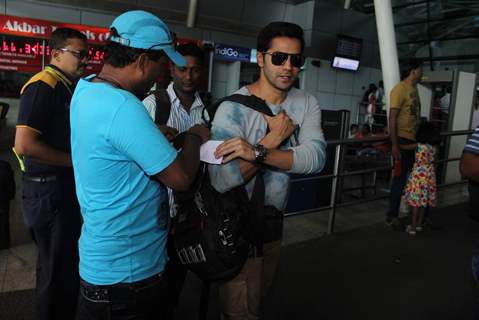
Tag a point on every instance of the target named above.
point(399, 182)
point(51, 211)
point(175, 275)
point(141, 300)
point(474, 200)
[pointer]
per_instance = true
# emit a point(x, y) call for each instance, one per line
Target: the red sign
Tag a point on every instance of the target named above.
point(21, 54)
point(26, 54)
point(36, 28)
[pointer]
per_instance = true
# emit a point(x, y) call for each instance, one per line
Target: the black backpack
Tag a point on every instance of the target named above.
point(163, 106)
point(214, 232)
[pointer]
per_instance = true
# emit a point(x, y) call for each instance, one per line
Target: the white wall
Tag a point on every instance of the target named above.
point(225, 80)
point(462, 115)
point(337, 89)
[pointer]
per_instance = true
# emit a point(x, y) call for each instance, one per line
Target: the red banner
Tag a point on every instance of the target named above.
point(26, 54)
point(21, 46)
point(36, 28)
point(21, 54)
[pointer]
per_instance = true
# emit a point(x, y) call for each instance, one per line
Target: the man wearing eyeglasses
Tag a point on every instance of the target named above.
point(49, 204)
point(290, 142)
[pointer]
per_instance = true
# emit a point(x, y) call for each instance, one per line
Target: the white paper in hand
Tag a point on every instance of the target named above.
point(207, 152)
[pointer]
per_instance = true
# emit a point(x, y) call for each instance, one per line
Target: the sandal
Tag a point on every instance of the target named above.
point(411, 231)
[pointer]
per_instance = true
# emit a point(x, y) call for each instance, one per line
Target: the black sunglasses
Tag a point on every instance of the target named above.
point(279, 58)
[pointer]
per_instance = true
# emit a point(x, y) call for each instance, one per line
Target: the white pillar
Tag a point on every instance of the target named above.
point(387, 46)
point(210, 69)
point(347, 4)
point(190, 21)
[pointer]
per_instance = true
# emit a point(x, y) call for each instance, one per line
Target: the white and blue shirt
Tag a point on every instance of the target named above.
point(472, 145)
point(179, 119)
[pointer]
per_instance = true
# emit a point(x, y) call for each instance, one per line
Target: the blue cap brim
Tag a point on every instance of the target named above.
point(177, 58)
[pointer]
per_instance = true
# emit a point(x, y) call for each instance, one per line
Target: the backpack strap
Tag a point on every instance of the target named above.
point(251, 101)
point(163, 106)
point(258, 224)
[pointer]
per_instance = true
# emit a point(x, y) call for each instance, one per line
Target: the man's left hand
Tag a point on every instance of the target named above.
point(168, 132)
point(235, 148)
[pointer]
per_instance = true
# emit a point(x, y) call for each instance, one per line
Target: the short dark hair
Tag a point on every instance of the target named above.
point(428, 133)
point(409, 66)
point(191, 49)
point(279, 29)
point(119, 56)
point(60, 37)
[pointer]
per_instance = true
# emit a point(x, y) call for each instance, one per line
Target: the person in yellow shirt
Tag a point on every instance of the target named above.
point(404, 119)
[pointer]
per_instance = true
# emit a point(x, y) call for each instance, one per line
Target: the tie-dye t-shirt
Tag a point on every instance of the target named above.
point(307, 143)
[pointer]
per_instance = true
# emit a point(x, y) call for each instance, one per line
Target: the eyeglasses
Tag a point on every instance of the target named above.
point(78, 54)
point(279, 58)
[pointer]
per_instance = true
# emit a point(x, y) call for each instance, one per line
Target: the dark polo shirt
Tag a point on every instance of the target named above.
point(45, 108)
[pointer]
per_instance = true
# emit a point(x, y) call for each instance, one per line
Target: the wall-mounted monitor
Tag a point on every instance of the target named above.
point(348, 53)
point(345, 63)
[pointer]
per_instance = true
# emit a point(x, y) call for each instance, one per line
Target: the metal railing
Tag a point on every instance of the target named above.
point(338, 174)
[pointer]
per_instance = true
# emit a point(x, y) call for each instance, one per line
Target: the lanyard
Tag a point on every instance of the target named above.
point(60, 77)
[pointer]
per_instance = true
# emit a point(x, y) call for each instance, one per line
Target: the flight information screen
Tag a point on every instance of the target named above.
point(349, 47)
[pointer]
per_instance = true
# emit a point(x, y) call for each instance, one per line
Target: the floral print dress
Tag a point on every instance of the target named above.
point(421, 184)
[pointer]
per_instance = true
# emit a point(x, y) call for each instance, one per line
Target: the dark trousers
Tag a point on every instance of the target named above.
point(474, 200)
point(4, 223)
point(141, 300)
point(175, 274)
point(51, 211)
point(399, 182)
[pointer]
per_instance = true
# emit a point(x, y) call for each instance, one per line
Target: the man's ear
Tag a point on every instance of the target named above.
point(142, 62)
point(55, 54)
point(260, 59)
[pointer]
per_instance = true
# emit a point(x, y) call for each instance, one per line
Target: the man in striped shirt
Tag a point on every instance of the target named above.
point(470, 169)
point(186, 108)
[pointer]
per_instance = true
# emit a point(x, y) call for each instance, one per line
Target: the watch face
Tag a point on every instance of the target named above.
point(259, 152)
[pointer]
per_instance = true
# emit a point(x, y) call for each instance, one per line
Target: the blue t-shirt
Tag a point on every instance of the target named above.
point(116, 147)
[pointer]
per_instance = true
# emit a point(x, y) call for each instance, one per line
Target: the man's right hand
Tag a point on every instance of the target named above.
point(396, 153)
point(201, 131)
point(281, 126)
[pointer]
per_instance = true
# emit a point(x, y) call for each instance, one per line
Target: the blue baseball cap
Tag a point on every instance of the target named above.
point(143, 30)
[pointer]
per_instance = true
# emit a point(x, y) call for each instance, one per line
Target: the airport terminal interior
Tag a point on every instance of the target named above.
point(339, 258)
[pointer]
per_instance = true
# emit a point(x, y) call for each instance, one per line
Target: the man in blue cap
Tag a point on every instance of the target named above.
point(122, 162)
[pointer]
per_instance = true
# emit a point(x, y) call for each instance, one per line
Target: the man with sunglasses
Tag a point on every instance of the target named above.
point(290, 142)
point(49, 204)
